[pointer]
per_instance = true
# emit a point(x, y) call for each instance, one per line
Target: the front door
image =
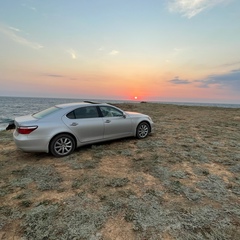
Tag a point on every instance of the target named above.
point(116, 124)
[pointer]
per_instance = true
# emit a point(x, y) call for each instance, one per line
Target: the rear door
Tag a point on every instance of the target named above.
point(85, 123)
point(116, 124)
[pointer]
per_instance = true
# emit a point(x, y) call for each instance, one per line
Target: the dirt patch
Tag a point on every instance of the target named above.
point(117, 228)
point(116, 166)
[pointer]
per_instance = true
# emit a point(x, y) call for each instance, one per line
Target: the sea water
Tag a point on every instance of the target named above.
point(11, 107)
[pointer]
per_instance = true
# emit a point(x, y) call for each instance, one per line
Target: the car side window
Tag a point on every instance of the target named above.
point(110, 112)
point(71, 115)
point(84, 112)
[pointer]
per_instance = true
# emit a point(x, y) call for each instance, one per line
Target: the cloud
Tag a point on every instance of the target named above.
point(177, 49)
point(29, 7)
point(10, 32)
point(230, 64)
point(14, 29)
point(190, 8)
point(72, 53)
point(114, 52)
point(53, 75)
point(230, 79)
point(176, 80)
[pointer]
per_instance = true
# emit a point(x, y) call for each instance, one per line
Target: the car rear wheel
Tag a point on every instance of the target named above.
point(143, 130)
point(62, 145)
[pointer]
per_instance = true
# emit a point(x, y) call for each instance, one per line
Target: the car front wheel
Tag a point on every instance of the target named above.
point(62, 145)
point(143, 130)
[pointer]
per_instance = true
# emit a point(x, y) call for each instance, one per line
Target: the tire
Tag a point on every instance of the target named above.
point(62, 145)
point(143, 129)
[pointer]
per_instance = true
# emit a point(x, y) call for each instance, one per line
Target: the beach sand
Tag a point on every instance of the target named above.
point(181, 182)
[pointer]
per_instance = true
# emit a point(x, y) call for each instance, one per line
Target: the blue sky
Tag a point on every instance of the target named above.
point(163, 50)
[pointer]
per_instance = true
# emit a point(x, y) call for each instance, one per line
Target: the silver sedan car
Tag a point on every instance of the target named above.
point(62, 128)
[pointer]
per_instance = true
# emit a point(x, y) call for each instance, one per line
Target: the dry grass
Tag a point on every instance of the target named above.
point(182, 182)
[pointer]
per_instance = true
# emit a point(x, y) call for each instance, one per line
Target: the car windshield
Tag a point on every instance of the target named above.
point(45, 112)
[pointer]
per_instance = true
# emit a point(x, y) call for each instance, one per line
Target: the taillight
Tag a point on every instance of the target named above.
point(26, 130)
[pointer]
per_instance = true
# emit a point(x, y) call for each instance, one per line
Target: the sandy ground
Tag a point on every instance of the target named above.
point(181, 182)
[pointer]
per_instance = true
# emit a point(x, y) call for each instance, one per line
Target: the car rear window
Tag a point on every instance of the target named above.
point(45, 112)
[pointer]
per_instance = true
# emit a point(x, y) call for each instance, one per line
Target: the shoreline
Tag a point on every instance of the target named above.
point(7, 126)
point(8, 123)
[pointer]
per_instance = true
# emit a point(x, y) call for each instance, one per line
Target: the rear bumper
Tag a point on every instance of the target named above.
point(28, 144)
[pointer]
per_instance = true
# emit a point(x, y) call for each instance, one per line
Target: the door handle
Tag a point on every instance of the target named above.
point(74, 124)
point(107, 121)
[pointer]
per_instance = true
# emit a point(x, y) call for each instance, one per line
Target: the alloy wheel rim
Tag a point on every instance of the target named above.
point(143, 131)
point(63, 146)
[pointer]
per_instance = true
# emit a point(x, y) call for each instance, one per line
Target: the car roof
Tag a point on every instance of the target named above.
point(79, 104)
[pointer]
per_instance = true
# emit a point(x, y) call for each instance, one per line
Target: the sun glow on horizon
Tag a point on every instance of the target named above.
point(129, 61)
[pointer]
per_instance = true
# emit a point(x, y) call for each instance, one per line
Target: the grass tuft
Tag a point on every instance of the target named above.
point(117, 182)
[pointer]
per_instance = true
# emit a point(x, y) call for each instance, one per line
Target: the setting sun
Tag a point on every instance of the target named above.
point(135, 98)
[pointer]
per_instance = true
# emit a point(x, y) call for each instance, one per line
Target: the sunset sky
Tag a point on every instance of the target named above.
point(145, 50)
